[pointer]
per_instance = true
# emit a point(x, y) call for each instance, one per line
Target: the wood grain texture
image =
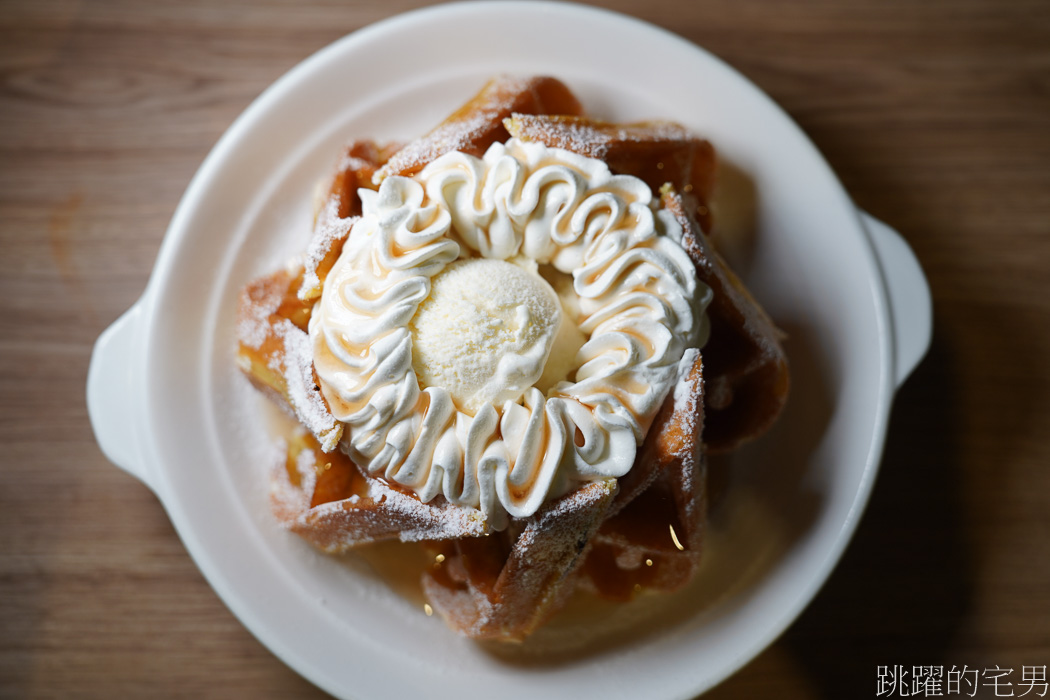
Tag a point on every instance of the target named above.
point(935, 114)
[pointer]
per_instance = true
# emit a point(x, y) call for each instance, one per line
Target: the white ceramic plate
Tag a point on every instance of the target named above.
point(168, 406)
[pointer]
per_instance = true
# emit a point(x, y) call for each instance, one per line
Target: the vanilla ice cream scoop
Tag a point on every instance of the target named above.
point(484, 332)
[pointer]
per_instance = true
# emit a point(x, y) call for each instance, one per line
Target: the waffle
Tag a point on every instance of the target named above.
point(325, 499)
point(337, 209)
point(504, 586)
point(274, 352)
point(746, 370)
point(614, 537)
point(478, 124)
point(657, 152)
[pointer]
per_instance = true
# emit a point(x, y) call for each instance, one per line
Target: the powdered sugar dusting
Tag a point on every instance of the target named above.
point(468, 130)
point(573, 136)
point(285, 498)
point(297, 368)
point(352, 162)
point(306, 467)
point(341, 525)
point(383, 514)
point(688, 410)
point(258, 303)
point(687, 388)
point(373, 511)
point(456, 136)
point(591, 138)
point(331, 232)
point(423, 521)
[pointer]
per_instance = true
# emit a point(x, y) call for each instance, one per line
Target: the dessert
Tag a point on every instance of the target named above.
point(511, 341)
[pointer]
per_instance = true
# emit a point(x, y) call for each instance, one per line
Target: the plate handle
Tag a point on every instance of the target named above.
point(911, 306)
point(114, 392)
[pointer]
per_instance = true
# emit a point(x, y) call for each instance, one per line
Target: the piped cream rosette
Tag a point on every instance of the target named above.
point(640, 307)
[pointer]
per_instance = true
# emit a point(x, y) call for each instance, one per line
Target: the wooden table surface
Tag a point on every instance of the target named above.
point(935, 114)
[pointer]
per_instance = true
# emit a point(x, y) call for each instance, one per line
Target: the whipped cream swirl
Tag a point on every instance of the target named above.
point(640, 306)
